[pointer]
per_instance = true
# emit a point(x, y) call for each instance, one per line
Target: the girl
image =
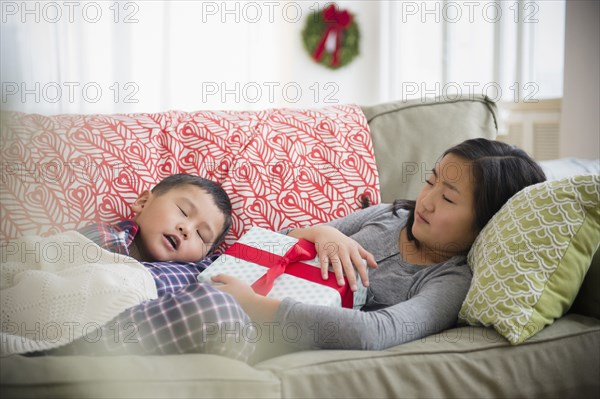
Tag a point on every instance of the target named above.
point(416, 250)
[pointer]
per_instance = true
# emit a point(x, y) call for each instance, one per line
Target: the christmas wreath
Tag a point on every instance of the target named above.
point(331, 37)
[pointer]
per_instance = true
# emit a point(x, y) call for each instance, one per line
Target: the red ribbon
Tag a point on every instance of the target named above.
point(290, 263)
point(338, 21)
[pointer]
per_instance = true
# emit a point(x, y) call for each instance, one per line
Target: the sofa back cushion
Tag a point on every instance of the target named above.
point(410, 136)
point(281, 167)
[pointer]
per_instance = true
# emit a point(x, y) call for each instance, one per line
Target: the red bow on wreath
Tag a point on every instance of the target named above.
point(338, 21)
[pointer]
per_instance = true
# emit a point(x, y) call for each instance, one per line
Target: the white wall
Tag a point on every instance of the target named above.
point(266, 53)
point(357, 82)
point(580, 121)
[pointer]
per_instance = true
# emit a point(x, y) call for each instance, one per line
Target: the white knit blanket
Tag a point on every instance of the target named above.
point(54, 290)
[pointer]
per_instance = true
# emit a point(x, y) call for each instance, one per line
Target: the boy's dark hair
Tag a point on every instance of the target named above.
point(213, 189)
point(499, 171)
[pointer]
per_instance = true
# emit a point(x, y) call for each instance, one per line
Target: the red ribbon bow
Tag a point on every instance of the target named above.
point(301, 251)
point(337, 21)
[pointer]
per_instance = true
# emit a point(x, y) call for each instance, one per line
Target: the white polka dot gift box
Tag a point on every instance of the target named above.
point(280, 266)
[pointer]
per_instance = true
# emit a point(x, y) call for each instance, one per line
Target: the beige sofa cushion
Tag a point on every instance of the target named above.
point(457, 363)
point(174, 376)
point(410, 136)
point(461, 362)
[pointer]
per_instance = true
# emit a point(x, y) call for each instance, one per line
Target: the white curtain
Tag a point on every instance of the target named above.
point(147, 56)
point(151, 56)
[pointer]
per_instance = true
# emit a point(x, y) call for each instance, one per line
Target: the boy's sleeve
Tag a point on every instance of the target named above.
point(170, 277)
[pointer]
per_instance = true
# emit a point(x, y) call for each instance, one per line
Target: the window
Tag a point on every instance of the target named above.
point(511, 51)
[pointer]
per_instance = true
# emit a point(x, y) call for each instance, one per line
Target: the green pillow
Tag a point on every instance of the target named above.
point(530, 259)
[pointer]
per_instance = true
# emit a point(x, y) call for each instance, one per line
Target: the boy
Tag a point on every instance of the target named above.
point(175, 228)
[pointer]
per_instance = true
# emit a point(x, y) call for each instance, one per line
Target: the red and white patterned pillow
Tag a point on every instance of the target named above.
point(281, 167)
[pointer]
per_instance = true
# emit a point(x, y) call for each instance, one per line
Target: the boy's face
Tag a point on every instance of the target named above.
point(178, 225)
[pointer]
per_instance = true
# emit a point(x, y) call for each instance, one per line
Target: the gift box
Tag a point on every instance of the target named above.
point(280, 266)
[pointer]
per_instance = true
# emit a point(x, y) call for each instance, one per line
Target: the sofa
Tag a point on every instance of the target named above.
point(406, 138)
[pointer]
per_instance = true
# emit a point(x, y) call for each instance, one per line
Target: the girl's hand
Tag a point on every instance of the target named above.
point(343, 253)
point(258, 307)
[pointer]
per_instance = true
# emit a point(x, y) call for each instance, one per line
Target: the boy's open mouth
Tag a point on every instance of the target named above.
point(172, 240)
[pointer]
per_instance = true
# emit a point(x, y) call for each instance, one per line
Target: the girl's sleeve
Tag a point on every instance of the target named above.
point(433, 309)
point(352, 223)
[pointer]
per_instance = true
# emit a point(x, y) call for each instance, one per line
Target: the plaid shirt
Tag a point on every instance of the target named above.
point(168, 276)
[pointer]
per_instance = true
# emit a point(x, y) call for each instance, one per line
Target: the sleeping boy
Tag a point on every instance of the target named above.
point(175, 228)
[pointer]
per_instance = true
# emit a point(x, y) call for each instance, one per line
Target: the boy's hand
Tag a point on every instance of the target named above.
point(345, 255)
point(258, 307)
point(241, 291)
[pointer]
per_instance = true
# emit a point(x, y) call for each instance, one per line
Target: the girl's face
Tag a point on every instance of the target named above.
point(444, 213)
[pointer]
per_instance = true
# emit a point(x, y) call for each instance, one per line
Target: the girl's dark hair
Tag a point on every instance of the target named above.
point(213, 189)
point(499, 171)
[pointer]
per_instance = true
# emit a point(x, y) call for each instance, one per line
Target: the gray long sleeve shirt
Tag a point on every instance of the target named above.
point(404, 301)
